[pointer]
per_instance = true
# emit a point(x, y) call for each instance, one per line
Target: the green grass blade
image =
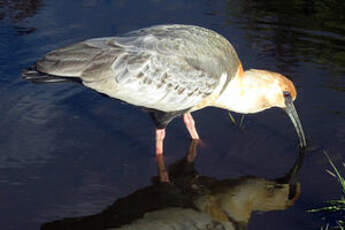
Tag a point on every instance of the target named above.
point(241, 121)
point(340, 179)
point(233, 120)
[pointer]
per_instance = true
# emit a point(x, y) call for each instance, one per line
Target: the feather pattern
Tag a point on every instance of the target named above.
point(167, 68)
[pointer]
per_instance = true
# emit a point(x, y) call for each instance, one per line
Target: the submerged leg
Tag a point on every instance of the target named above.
point(190, 125)
point(160, 134)
point(162, 171)
point(191, 153)
point(180, 169)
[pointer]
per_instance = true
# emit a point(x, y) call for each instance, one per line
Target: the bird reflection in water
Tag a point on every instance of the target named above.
point(192, 201)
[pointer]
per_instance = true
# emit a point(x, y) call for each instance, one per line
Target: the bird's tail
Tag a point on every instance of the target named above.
point(35, 76)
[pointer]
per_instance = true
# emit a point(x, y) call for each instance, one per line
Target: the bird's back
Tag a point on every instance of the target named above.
point(166, 67)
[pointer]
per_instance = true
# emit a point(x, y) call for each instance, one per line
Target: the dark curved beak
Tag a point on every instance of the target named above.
point(291, 111)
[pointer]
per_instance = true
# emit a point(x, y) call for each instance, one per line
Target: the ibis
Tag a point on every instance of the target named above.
point(171, 71)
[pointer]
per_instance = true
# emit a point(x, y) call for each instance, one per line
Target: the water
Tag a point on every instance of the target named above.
point(65, 151)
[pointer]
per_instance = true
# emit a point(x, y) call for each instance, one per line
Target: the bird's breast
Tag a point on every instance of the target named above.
point(211, 99)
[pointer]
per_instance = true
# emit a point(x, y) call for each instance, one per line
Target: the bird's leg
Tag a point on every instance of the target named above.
point(160, 134)
point(190, 124)
point(191, 153)
point(162, 172)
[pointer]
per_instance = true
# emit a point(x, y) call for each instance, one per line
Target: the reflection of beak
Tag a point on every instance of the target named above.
point(291, 177)
point(291, 111)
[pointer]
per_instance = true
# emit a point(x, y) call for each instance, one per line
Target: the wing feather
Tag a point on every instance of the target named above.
point(167, 68)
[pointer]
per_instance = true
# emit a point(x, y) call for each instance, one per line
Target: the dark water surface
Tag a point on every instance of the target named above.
point(65, 151)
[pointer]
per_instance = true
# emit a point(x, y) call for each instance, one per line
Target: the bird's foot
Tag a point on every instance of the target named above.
point(199, 142)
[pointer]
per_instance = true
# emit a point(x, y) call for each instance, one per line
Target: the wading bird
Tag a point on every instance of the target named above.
point(170, 70)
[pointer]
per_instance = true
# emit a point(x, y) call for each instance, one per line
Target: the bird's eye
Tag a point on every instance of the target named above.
point(286, 94)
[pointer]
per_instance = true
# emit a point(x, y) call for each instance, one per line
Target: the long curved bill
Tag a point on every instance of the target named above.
point(291, 111)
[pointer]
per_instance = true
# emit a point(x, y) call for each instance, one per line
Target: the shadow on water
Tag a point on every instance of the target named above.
point(18, 11)
point(193, 201)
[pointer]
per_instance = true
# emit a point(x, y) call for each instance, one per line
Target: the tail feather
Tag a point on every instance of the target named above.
point(35, 76)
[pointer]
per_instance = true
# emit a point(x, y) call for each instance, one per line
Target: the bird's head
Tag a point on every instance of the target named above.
point(277, 90)
point(254, 90)
point(265, 89)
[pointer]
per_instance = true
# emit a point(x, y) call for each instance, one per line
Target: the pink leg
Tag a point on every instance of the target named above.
point(160, 134)
point(190, 124)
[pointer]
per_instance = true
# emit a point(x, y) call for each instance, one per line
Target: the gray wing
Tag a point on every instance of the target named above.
point(160, 67)
point(83, 59)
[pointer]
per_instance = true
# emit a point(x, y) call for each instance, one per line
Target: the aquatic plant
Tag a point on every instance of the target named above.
point(234, 122)
point(335, 207)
